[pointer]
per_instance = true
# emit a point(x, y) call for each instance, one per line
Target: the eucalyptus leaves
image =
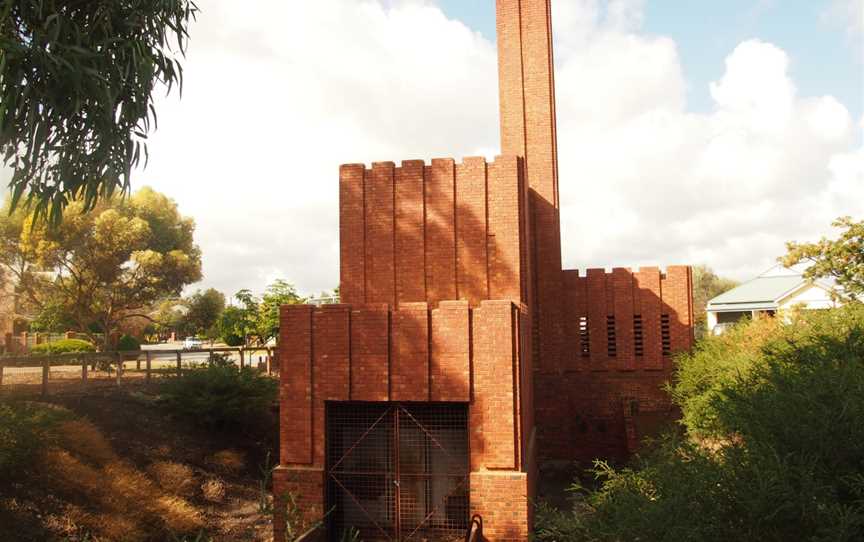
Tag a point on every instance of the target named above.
point(76, 93)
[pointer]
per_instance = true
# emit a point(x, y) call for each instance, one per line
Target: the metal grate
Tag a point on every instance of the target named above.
point(398, 471)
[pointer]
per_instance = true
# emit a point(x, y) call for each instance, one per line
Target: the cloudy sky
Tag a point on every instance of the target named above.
point(689, 132)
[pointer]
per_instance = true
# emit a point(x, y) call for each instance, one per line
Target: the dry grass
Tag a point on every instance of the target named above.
point(175, 478)
point(121, 471)
point(213, 490)
point(229, 461)
point(128, 505)
point(81, 438)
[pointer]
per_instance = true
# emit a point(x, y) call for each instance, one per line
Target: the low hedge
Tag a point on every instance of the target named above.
point(220, 396)
point(63, 346)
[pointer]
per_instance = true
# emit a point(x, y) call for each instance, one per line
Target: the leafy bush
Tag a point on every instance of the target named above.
point(713, 364)
point(25, 429)
point(219, 396)
point(63, 346)
point(128, 343)
point(232, 339)
point(775, 445)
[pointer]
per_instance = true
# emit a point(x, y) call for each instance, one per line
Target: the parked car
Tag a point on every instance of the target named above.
point(192, 343)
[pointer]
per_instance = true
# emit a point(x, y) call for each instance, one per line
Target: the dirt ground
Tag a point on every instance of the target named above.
point(124, 470)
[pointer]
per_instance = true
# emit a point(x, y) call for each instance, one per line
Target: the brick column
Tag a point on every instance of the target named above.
point(527, 102)
point(501, 476)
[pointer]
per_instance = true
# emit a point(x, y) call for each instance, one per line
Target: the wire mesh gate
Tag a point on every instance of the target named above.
point(398, 471)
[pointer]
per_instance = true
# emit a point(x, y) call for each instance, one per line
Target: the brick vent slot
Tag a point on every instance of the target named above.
point(638, 337)
point(665, 336)
point(584, 337)
point(610, 336)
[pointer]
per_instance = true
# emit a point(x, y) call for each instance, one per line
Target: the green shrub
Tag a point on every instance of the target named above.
point(63, 346)
point(128, 343)
point(232, 339)
point(713, 364)
point(25, 430)
point(774, 450)
point(219, 396)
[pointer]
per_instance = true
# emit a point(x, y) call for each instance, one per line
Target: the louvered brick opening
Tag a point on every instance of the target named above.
point(665, 335)
point(584, 337)
point(638, 336)
point(611, 348)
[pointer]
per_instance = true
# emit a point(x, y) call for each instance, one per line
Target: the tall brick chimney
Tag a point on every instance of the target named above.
point(528, 129)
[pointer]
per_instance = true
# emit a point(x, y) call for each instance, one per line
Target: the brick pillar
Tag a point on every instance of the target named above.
point(501, 474)
point(527, 103)
point(298, 491)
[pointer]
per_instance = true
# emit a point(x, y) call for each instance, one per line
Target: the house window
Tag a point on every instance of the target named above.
point(732, 317)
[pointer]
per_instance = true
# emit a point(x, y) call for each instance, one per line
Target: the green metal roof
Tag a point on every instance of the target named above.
point(761, 292)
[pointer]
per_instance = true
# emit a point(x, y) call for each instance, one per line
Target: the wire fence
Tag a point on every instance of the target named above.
point(52, 373)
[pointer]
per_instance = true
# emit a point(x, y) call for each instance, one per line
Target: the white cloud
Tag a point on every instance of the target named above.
point(279, 94)
point(848, 14)
point(274, 104)
point(646, 182)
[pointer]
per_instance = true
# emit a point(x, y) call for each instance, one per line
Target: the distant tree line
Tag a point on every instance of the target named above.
point(119, 270)
point(252, 320)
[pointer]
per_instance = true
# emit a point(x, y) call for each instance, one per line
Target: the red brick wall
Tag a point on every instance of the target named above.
point(376, 353)
point(307, 487)
point(584, 403)
point(452, 353)
point(446, 231)
point(450, 364)
point(503, 500)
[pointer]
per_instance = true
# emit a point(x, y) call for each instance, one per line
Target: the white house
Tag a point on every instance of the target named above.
point(771, 292)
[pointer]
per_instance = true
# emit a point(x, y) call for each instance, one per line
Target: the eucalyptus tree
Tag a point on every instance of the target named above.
point(102, 268)
point(77, 81)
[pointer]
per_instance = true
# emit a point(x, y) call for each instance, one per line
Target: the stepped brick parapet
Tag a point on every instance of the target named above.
point(432, 232)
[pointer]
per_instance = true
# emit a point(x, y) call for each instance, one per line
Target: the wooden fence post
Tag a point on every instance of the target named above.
point(179, 369)
point(1, 373)
point(85, 362)
point(138, 361)
point(269, 363)
point(147, 377)
point(119, 359)
point(46, 367)
point(241, 358)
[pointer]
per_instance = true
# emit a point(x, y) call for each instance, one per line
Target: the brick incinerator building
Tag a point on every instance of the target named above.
point(463, 354)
